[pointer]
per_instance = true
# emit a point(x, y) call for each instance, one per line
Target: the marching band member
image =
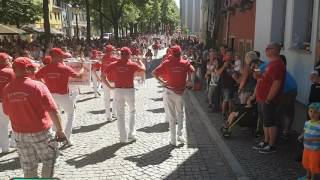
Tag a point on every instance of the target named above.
point(56, 76)
point(32, 110)
point(6, 75)
point(124, 70)
point(96, 74)
point(176, 70)
point(107, 59)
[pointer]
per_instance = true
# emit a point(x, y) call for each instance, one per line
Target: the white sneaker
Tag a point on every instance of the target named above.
point(109, 119)
point(132, 138)
point(173, 143)
point(8, 151)
point(181, 139)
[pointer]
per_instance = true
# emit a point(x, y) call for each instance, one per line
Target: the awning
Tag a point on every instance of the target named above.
point(6, 30)
point(30, 28)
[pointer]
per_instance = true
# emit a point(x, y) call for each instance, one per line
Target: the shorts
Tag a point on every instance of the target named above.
point(227, 94)
point(268, 114)
point(34, 148)
point(287, 104)
point(310, 160)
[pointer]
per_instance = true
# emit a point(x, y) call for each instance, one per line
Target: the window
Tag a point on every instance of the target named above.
point(231, 43)
point(55, 16)
point(50, 16)
point(241, 48)
point(302, 24)
point(278, 21)
point(248, 46)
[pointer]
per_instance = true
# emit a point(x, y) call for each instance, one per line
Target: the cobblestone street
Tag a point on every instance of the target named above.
point(97, 153)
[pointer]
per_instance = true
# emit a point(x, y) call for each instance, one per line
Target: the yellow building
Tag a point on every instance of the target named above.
point(55, 15)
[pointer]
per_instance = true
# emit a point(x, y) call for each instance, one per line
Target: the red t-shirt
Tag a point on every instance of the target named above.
point(175, 71)
point(123, 71)
point(275, 70)
point(27, 103)
point(56, 77)
point(106, 61)
point(6, 75)
point(96, 66)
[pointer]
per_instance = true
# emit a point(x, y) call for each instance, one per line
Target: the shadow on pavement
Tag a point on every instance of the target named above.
point(158, 110)
point(85, 99)
point(87, 93)
point(9, 164)
point(92, 127)
point(157, 99)
point(97, 156)
point(157, 128)
point(154, 157)
point(102, 111)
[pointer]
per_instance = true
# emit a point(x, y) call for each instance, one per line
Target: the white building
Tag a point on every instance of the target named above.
point(191, 15)
point(69, 16)
point(294, 23)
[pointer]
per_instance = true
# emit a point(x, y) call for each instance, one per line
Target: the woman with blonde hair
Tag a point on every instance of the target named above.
point(247, 82)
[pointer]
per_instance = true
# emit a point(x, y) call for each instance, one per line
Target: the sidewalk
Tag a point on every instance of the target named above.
point(278, 166)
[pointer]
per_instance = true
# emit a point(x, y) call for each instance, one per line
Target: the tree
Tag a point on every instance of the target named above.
point(19, 12)
point(46, 23)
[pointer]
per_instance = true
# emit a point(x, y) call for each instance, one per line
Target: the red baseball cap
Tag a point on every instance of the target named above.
point(47, 60)
point(126, 50)
point(23, 63)
point(56, 52)
point(109, 48)
point(4, 57)
point(176, 50)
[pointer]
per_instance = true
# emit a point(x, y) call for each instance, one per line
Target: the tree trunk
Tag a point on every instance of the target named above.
point(135, 27)
point(88, 22)
point(101, 22)
point(126, 31)
point(116, 30)
point(131, 29)
point(46, 22)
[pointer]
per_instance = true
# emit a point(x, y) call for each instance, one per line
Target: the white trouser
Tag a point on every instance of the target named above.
point(96, 83)
point(74, 92)
point(4, 124)
point(175, 113)
point(64, 101)
point(123, 96)
point(108, 93)
point(165, 105)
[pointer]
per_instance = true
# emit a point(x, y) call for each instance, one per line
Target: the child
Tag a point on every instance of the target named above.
point(311, 142)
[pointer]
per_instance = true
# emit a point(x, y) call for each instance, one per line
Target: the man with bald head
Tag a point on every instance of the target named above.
point(268, 91)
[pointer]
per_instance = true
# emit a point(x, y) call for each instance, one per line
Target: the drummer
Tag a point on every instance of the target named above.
point(56, 76)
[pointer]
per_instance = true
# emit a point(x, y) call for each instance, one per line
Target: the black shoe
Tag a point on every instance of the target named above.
point(268, 150)
point(260, 145)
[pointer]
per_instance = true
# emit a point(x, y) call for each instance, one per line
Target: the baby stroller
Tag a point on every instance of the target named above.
point(244, 116)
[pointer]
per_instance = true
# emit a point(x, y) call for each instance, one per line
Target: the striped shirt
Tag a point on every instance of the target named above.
point(312, 130)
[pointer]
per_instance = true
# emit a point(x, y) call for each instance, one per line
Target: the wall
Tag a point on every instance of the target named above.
point(299, 63)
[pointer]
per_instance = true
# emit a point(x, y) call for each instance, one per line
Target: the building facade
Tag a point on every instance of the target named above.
point(236, 27)
point(294, 24)
point(64, 17)
point(191, 15)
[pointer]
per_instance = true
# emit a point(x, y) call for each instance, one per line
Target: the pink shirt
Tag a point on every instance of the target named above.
point(56, 77)
point(27, 103)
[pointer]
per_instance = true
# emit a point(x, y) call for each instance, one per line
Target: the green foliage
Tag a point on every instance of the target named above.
point(18, 12)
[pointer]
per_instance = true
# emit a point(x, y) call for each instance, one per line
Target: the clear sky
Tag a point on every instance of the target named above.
point(178, 3)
